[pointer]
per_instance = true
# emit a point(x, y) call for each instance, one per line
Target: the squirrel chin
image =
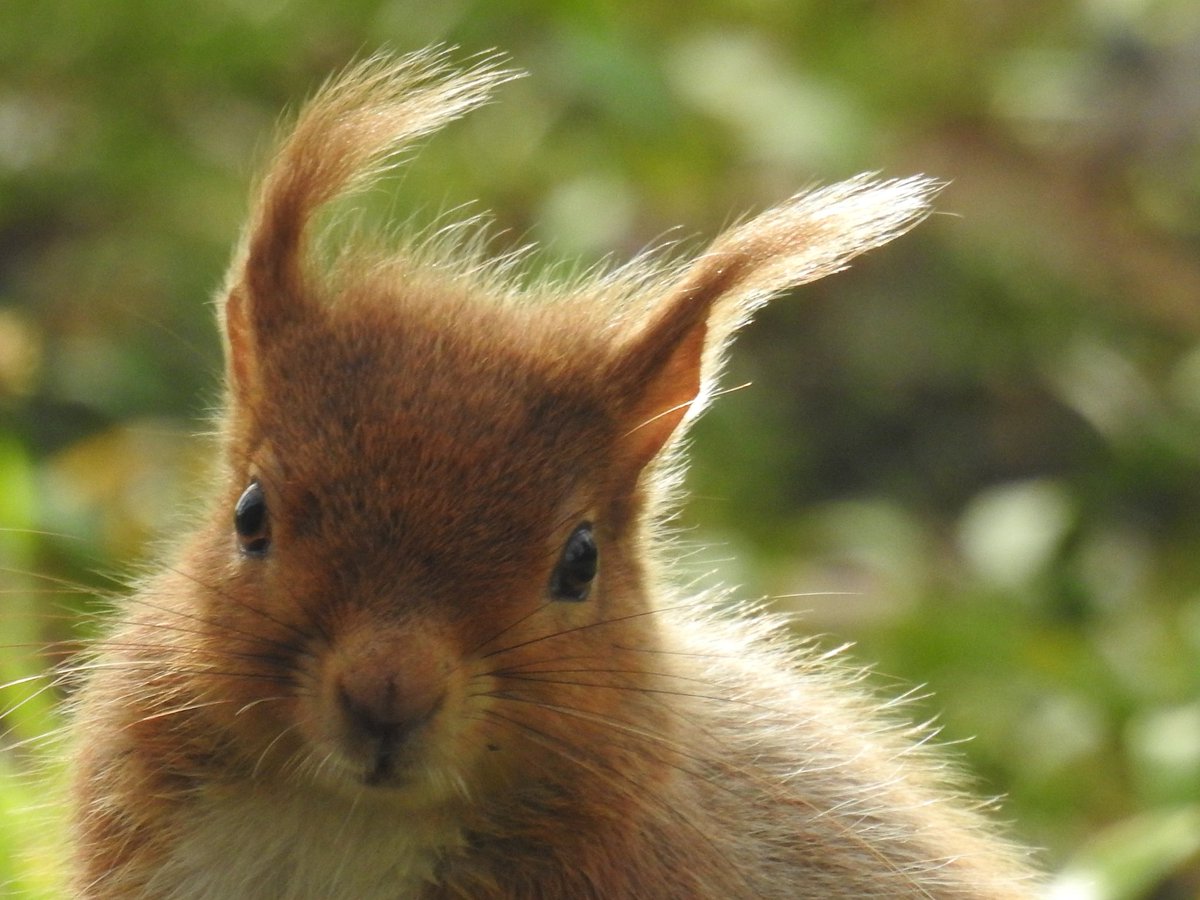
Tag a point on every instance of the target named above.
point(420, 776)
point(414, 786)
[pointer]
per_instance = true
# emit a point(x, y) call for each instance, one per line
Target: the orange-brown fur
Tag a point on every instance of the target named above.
point(389, 703)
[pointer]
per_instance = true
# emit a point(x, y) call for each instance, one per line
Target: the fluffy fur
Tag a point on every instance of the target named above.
point(385, 699)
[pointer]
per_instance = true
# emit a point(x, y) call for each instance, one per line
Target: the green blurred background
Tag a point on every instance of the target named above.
point(976, 454)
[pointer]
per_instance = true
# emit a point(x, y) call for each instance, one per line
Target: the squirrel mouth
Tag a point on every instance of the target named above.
point(388, 757)
point(384, 750)
point(382, 769)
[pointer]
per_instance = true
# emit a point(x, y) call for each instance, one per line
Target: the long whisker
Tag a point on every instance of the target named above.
point(180, 710)
point(274, 620)
point(638, 689)
point(499, 634)
point(579, 628)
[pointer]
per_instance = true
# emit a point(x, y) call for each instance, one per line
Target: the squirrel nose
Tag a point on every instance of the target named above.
point(387, 686)
point(380, 706)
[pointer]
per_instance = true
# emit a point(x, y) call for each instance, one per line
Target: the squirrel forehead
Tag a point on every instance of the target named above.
point(429, 367)
point(469, 398)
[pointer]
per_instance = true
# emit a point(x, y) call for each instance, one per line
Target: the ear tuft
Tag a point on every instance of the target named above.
point(812, 235)
point(349, 133)
point(667, 366)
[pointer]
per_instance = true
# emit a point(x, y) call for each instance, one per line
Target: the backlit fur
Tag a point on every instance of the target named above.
point(389, 703)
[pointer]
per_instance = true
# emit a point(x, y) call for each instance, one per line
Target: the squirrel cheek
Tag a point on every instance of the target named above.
point(379, 695)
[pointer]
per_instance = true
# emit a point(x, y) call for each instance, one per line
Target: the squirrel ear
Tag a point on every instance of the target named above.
point(658, 374)
point(350, 132)
point(665, 370)
point(241, 350)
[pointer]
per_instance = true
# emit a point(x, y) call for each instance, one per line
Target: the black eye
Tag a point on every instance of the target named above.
point(572, 577)
point(251, 522)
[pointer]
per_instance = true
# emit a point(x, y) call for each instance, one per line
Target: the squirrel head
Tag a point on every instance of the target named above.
point(435, 477)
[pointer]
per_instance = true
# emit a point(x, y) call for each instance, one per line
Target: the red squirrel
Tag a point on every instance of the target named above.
point(426, 643)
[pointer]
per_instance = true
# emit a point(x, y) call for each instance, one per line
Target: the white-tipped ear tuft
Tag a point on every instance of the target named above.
point(812, 235)
point(348, 134)
point(668, 365)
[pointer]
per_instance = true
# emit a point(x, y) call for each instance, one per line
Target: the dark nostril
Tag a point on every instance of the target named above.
point(382, 711)
point(375, 716)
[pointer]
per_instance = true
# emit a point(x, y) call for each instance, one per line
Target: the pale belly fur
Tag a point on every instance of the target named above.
point(280, 846)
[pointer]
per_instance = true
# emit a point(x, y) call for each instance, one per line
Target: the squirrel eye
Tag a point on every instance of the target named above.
point(572, 577)
point(250, 521)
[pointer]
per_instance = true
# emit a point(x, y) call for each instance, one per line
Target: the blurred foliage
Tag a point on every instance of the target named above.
point(976, 454)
